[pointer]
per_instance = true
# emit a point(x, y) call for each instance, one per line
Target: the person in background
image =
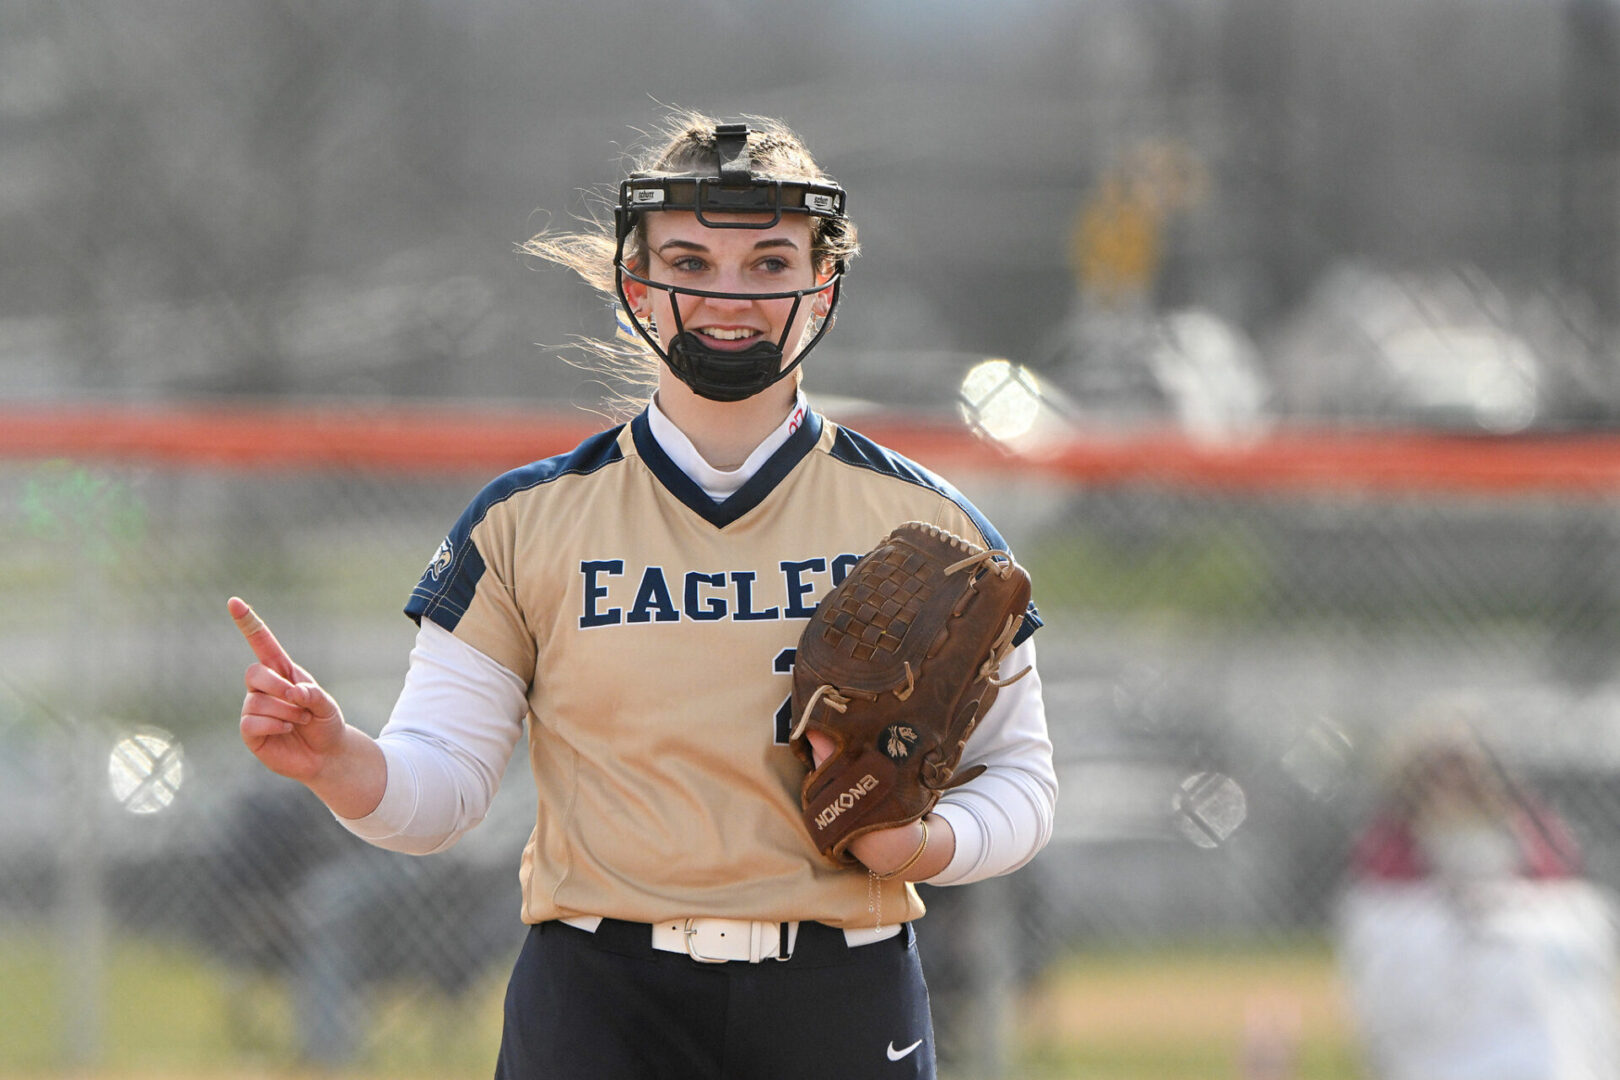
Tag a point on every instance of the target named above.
point(1470, 944)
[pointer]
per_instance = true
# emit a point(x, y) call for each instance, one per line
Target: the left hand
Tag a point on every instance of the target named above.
point(884, 849)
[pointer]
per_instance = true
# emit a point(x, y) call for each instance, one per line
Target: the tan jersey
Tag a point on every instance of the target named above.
point(657, 630)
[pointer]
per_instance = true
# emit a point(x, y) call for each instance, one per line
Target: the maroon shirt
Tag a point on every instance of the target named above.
point(1387, 849)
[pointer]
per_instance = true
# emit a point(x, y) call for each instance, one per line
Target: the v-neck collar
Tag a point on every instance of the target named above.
point(754, 490)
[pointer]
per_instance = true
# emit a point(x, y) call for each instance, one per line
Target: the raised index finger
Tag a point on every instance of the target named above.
point(260, 639)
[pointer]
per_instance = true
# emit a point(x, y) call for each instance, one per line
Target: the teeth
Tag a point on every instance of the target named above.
point(727, 335)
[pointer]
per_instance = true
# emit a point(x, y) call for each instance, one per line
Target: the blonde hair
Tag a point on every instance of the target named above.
point(682, 144)
point(1442, 766)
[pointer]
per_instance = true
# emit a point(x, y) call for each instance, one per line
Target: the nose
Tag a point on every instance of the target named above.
point(729, 308)
point(730, 281)
point(727, 284)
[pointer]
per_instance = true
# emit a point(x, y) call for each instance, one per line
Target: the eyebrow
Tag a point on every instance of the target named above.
point(688, 245)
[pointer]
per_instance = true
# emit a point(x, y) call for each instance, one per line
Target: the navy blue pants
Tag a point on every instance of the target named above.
point(607, 1006)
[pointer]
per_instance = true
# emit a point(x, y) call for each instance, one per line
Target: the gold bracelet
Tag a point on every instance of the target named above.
point(915, 855)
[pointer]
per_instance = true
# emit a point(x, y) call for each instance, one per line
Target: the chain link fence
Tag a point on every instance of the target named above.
point(1223, 671)
point(1230, 220)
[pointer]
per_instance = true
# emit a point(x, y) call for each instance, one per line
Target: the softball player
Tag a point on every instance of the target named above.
point(636, 603)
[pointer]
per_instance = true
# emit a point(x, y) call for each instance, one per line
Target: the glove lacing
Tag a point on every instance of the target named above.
point(999, 563)
point(825, 692)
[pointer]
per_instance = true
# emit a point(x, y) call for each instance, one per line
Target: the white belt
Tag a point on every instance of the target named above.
point(714, 941)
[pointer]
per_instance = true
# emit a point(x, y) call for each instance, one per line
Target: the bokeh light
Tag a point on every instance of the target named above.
point(1209, 807)
point(1000, 400)
point(145, 770)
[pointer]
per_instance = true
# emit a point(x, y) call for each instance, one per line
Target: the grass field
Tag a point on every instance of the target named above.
point(1178, 1014)
point(1185, 1014)
point(171, 1014)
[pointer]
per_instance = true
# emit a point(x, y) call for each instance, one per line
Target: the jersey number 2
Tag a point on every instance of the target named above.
point(783, 665)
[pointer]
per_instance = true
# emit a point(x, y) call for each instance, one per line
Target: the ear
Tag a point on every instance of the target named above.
point(823, 303)
point(823, 300)
point(636, 293)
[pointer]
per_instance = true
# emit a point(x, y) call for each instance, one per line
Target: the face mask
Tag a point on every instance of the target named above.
point(734, 197)
point(1470, 852)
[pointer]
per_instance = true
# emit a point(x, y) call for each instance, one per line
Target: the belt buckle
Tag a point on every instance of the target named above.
point(690, 933)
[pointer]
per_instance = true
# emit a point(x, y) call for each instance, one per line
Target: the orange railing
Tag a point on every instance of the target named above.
point(441, 438)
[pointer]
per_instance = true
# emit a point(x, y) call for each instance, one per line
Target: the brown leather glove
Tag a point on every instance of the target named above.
point(896, 667)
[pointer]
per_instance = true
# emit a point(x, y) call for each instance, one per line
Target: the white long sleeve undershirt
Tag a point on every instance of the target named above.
point(460, 715)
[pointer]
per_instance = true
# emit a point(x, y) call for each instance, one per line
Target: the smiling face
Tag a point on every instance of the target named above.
point(684, 252)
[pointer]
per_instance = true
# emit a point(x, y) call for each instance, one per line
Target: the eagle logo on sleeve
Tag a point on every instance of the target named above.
point(441, 560)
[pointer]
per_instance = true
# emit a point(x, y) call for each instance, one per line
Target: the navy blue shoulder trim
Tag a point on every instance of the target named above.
point(853, 448)
point(856, 449)
point(745, 498)
point(451, 578)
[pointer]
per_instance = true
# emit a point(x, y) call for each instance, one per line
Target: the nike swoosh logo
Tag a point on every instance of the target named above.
point(896, 1055)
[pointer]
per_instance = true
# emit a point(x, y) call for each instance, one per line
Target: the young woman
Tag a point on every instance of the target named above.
point(1470, 942)
point(637, 602)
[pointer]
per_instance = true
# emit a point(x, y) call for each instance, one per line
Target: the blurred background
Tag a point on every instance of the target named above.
point(1278, 336)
